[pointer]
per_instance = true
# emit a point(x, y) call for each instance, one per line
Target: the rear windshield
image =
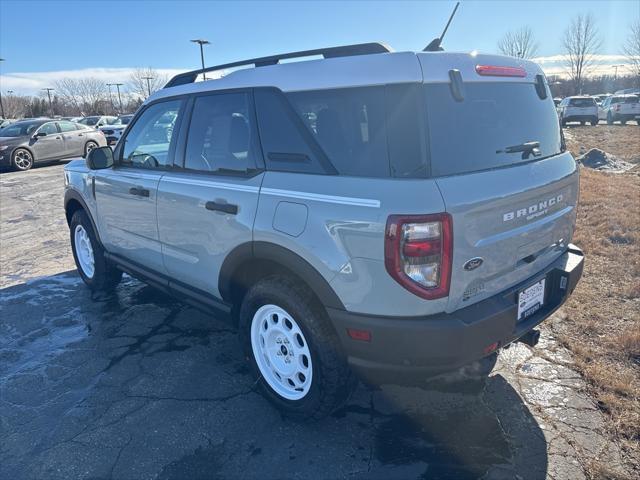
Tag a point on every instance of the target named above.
point(582, 102)
point(475, 133)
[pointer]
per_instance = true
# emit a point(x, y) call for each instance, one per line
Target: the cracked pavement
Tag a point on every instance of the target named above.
point(139, 385)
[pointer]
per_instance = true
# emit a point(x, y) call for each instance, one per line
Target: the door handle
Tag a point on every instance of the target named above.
point(141, 192)
point(57, 138)
point(222, 207)
point(81, 134)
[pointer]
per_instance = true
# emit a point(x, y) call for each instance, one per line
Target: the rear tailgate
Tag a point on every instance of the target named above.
point(496, 152)
point(517, 220)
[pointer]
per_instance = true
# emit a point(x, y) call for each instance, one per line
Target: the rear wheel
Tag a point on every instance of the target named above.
point(22, 159)
point(89, 146)
point(293, 350)
point(94, 269)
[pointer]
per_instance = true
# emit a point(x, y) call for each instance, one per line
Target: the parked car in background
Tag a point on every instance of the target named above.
point(98, 121)
point(114, 131)
point(578, 109)
point(26, 142)
point(338, 230)
point(556, 101)
point(620, 108)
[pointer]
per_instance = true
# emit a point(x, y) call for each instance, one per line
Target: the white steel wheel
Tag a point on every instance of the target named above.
point(281, 352)
point(84, 251)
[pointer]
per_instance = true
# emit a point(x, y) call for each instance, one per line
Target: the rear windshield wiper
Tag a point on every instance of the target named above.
point(526, 148)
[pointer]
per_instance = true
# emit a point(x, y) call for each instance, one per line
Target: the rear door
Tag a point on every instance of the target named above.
point(498, 158)
point(126, 195)
point(73, 139)
point(207, 203)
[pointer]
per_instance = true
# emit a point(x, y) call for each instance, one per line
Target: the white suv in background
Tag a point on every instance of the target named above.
point(620, 108)
point(578, 109)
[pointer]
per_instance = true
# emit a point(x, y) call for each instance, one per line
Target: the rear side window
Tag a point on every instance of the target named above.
point(475, 134)
point(582, 102)
point(286, 145)
point(67, 126)
point(349, 126)
point(221, 134)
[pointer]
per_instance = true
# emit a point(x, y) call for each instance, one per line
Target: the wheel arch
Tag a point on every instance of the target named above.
point(73, 202)
point(251, 261)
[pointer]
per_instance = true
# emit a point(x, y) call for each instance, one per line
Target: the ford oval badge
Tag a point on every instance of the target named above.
point(473, 263)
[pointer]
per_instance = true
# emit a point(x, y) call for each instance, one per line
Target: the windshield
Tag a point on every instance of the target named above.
point(124, 119)
point(582, 102)
point(475, 134)
point(89, 120)
point(20, 129)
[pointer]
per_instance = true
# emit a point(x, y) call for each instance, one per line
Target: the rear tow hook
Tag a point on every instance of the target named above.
point(531, 338)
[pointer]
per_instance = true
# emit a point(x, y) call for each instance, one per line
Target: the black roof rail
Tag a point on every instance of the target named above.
point(331, 52)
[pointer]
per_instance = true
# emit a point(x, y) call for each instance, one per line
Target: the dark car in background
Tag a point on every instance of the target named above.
point(26, 142)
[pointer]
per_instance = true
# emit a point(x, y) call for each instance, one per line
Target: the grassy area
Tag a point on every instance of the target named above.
point(602, 319)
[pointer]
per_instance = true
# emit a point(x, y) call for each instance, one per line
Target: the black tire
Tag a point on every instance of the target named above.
point(105, 276)
point(623, 121)
point(333, 381)
point(582, 123)
point(594, 122)
point(90, 145)
point(610, 119)
point(22, 159)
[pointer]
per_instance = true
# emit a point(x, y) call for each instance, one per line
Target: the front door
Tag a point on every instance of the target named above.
point(207, 206)
point(126, 194)
point(48, 146)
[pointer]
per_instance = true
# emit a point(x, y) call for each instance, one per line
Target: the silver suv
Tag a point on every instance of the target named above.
point(393, 215)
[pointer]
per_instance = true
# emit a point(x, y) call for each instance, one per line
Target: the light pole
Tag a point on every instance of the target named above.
point(113, 108)
point(1, 105)
point(148, 84)
point(202, 42)
point(49, 90)
point(118, 85)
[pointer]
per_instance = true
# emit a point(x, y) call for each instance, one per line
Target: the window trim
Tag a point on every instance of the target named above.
point(117, 154)
point(180, 156)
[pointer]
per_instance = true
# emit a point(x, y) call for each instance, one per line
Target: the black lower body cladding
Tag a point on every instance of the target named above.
point(410, 350)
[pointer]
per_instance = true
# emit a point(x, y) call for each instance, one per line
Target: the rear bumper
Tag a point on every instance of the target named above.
point(408, 350)
point(580, 118)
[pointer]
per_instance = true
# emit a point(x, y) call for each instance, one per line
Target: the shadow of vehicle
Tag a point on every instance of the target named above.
point(138, 384)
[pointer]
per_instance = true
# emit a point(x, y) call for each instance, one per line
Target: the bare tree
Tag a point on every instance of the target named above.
point(581, 42)
point(86, 95)
point(631, 49)
point(15, 106)
point(518, 43)
point(145, 81)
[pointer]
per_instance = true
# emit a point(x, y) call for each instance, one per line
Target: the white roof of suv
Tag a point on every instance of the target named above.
point(358, 70)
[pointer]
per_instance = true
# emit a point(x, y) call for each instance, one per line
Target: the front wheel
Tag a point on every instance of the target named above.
point(22, 159)
point(293, 350)
point(94, 269)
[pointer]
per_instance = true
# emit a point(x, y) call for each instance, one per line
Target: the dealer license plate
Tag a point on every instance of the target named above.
point(530, 300)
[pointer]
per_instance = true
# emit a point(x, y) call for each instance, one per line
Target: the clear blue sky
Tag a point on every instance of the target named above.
point(65, 35)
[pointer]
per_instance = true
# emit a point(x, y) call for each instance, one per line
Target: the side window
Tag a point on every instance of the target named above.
point(287, 146)
point(147, 143)
point(48, 128)
point(221, 134)
point(67, 127)
point(349, 125)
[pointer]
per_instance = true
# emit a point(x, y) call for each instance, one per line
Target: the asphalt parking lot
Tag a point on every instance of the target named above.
point(139, 385)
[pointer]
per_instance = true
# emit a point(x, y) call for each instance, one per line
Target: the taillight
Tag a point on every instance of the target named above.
point(497, 71)
point(418, 253)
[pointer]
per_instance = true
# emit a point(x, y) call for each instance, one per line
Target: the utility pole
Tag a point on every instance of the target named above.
point(118, 85)
point(1, 105)
point(113, 107)
point(148, 84)
point(49, 90)
point(202, 42)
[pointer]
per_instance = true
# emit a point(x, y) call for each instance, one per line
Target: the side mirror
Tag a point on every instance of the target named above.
point(41, 134)
point(99, 158)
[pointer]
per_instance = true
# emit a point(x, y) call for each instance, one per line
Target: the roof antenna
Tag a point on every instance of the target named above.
point(434, 46)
